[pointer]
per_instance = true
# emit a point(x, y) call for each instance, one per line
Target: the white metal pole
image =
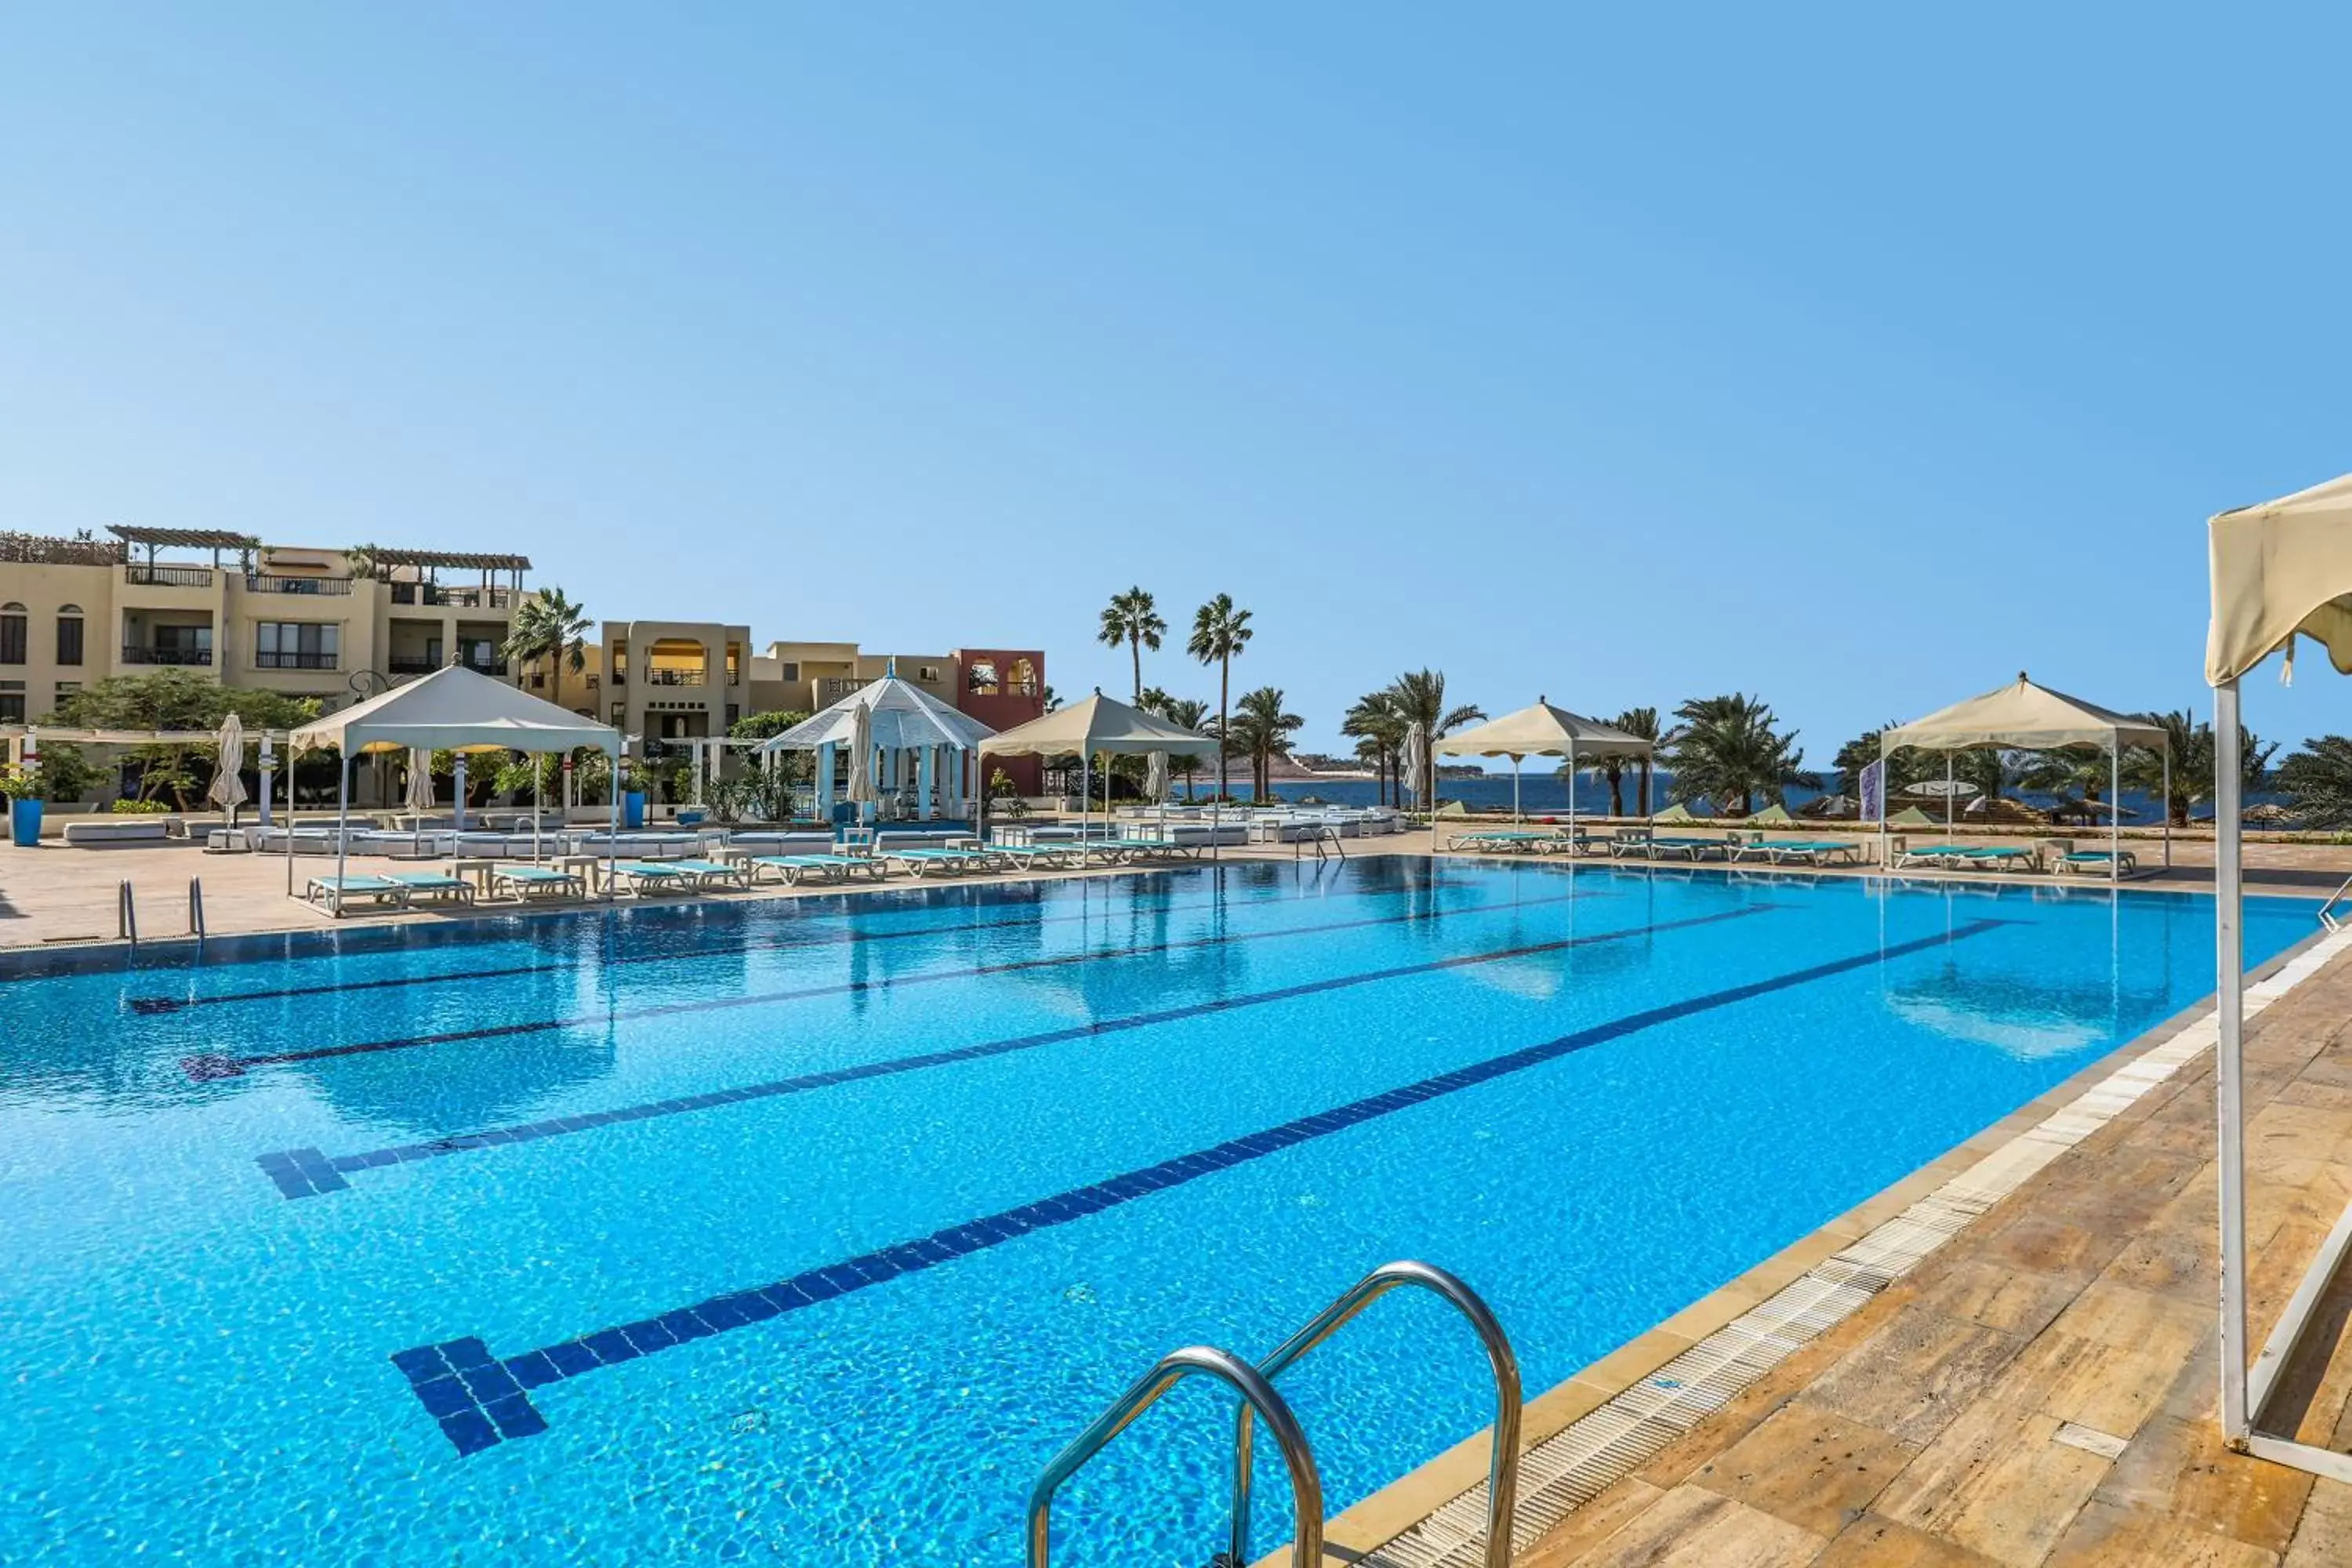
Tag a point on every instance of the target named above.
point(289, 817)
point(1515, 792)
point(2167, 806)
point(1882, 771)
point(343, 823)
point(613, 833)
point(2115, 813)
point(1086, 790)
point(1949, 799)
point(538, 803)
point(1571, 797)
point(2229, 1060)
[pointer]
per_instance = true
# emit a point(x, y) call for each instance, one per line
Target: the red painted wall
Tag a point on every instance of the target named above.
point(1019, 697)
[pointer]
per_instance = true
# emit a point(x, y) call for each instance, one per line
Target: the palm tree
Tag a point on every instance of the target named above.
point(550, 626)
point(1643, 724)
point(1420, 696)
point(1261, 728)
point(1131, 620)
point(1379, 723)
point(1612, 771)
point(2318, 779)
point(1185, 713)
point(1908, 765)
point(2193, 772)
point(1726, 747)
point(1220, 632)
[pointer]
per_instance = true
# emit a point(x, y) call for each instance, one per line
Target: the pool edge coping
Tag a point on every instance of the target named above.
point(1442, 1500)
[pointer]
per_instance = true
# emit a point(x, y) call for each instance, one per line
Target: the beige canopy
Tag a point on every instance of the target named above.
point(1542, 731)
point(455, 710)
point(1096, 725)
point(2031, 718)
point(2281, 568)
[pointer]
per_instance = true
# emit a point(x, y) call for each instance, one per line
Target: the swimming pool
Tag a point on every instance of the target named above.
point(806, 1231)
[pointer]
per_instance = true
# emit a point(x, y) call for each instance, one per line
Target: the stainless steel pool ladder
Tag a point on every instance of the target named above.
point(1318, 836)
point(1255, 1386)
point(126, 914)
point(196, 908)
point(2326, 910)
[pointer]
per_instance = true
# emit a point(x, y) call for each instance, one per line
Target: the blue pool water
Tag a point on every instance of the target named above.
point(805, 1232)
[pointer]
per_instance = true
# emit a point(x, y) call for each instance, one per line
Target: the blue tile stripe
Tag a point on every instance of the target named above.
point(557, 1127)
point(478, 1410)
point(210, 1066)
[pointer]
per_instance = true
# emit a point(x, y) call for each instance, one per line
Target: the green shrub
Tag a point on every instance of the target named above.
point(127, 808)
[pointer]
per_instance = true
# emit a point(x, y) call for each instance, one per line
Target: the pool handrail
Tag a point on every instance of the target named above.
point(1503, 1465)
point(1207, 1360)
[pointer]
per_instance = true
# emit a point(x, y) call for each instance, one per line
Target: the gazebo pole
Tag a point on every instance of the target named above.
point(1949, 799)
point(612, 835)
point(2115, 812)
point(343, 822)
point(2229, 1054)
point(1085, 799)
point(290, 814)
point(538, 804)
point(1882, 770)
point(2167, 804)
point(1572, 849)
point(1514, 789)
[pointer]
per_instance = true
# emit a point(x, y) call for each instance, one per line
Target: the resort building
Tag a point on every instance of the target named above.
point(670, 680)
point(333, 623)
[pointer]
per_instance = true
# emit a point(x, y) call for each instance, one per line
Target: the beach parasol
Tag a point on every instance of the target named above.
point(228, 790)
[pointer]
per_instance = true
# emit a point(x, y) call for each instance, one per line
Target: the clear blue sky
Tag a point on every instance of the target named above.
point(1853, 359)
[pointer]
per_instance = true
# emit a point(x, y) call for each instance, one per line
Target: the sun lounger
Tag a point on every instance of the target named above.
point(1929, 855)
point(1519, 840)
point(341, 890)
point(707, 873)
point(1144, 849)
point(437, 886)
point(2007, 855)
point(645, 876)
point(2123, 860)
point(536, 882)
point(946, 862)
point(798, 868)
point(1028, 856)
point(1662, 845)
point(1812, 851)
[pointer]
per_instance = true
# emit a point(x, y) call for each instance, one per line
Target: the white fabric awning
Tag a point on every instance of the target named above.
point(455, 710)
point(2281, 568)
point(2022, 714)
point(904, 718)
point(1542, 731)
point(1095, 725)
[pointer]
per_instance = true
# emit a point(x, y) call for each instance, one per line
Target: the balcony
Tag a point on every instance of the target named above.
point(497, 666)
point(412, 664)
point(831, 689)
point(658, 676)
point(295, 660)
point(453, 598)
point(169, 576)
point(270, 582)
point(133, 654)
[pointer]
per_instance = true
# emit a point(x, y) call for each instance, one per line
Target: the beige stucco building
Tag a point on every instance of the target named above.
point(327, 622)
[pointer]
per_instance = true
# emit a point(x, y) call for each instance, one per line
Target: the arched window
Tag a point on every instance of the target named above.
point(1025, 678)
point(69, 634)
point(11, 633)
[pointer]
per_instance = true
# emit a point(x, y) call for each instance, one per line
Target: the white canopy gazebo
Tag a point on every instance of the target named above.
point(1542, 731)
point(905, 722)
point(2280, 570)
point(1098, 726)
point(452, 709)
point(2024, 716)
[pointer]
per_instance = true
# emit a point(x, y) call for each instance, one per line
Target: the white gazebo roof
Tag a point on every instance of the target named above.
point(2282, 568)
point(455, 710)
point(904, 718)
point(1099, 725)
point(2022, 714)
point(1542, 731)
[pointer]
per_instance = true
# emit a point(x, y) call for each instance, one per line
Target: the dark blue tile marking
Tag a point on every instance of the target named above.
point(461, 1142)
point(832, 1280)
point(205, 1066)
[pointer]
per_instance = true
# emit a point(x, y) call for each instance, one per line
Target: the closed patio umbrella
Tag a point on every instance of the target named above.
point(1416, 761)
point(861, 756)
point(228, 790)
point(420, 781)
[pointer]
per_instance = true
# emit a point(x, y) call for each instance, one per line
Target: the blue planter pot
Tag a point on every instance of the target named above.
point(633, 808)
point(24, 823)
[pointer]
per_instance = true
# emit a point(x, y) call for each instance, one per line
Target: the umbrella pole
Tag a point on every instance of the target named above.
point(1515, 792)
point(289, 816)
point(538, 804)
point(2167, 806)
point(2230, 961)
point(1572, 850)
point(612, 835)
point(1949, 800)
point(1086, 800)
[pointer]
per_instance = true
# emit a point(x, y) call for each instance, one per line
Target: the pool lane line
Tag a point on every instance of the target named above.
point(480, 1400)
point(307, 1173)
point(205, 1066)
